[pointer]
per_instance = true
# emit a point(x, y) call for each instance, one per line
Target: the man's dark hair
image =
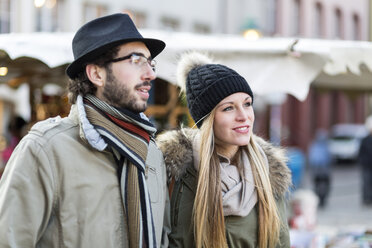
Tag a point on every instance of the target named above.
point(81, 85)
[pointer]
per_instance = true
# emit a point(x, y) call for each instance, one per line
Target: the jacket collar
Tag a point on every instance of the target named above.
point(177, 148)
point(86, 130)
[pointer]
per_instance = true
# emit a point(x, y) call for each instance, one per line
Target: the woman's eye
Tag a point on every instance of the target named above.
point(248, 104)
point(227, 109)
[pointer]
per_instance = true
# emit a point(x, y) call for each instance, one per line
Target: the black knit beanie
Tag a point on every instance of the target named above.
point(207, 84)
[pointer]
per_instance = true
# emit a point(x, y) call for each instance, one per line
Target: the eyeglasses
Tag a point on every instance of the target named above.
point(136, 59)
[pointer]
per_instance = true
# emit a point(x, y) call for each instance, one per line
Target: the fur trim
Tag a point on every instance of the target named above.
point(176, 146)
point(188, 62)
point(279, 173)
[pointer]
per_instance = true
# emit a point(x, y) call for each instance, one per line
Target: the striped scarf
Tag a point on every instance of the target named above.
point(129, 135)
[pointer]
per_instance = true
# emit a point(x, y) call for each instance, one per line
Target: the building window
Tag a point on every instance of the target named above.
point(319, 21)
point(92, 11)
point(296, 18)
point(201, 28)
point(272, 17)
point(356, 27)
point(5, 16)
point(338, 25)
point(48, 15)
point(170, 23)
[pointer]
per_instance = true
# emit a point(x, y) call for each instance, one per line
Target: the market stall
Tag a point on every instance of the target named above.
point(272, 66)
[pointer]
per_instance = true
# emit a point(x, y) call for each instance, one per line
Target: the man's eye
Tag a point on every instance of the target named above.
point(135, 59)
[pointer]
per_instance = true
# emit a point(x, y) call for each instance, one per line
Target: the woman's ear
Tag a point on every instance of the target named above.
point(96, 74)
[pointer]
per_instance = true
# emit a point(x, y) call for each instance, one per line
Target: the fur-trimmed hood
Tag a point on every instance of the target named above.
point(176, 146)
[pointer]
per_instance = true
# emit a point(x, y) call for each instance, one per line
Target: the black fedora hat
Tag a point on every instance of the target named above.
point(97, 36)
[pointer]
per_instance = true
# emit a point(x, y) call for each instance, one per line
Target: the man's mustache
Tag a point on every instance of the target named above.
point(146, 83)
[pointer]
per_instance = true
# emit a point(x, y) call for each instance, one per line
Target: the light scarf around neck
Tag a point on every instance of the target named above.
point(129, 135)
point(238, 196)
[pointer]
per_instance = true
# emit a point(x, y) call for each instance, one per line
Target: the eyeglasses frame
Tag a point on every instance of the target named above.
point(149, 59)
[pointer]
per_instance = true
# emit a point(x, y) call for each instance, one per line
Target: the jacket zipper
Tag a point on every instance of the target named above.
point(177, 204)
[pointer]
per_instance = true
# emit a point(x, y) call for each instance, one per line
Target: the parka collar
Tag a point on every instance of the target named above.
point(177, 148)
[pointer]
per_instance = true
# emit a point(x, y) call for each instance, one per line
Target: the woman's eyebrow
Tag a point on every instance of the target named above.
point(232, 102)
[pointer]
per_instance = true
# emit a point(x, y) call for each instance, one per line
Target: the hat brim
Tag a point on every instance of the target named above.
point(155, 47)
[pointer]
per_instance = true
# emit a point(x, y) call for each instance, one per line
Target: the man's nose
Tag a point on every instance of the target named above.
point(149, 73)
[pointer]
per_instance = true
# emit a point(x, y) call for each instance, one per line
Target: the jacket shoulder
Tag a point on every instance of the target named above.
point(176, 146)
point(51, 127)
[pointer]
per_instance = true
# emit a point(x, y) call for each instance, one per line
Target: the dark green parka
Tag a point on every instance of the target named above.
point(240, 231)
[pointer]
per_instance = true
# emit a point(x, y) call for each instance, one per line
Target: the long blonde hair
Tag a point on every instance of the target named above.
point(208, 218)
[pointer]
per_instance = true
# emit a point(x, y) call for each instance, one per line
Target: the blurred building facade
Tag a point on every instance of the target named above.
point(326, 19)
point(209, 16)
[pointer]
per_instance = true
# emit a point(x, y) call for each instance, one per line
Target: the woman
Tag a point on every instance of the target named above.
point(227, 185)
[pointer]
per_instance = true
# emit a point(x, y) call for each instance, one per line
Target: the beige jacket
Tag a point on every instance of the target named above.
point(58, 191)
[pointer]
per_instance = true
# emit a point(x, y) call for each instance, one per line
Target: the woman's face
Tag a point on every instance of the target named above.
point(233, 122)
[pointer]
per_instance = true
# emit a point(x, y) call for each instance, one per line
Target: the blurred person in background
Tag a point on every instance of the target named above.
point(228, 186)
point(365, 159)
point(16, 130)
point(320, 160)
point(96, 177)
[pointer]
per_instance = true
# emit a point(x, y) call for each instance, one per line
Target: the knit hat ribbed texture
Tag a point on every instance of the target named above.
point(207, 84)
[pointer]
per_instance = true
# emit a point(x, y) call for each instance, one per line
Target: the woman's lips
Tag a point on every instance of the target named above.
point(241, 129)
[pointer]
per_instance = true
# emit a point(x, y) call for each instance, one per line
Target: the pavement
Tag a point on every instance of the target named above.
point(344, 221)
point(344, 207)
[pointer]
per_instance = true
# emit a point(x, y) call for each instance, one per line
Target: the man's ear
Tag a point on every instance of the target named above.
point(96, 74)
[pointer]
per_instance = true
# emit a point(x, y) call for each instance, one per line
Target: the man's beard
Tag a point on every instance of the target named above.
point(119, 95)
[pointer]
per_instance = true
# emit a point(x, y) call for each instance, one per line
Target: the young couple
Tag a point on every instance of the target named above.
point(98, 179)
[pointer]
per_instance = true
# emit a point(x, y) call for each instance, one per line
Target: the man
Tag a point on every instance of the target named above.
point(320, 161)
point(365, 160)
point(96, 177)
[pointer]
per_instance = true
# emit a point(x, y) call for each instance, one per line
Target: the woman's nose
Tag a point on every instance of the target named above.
point(241, 114)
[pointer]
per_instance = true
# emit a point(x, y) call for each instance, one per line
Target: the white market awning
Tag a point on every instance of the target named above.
point(35, 58)
point(279, 65)
point(270, 65)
